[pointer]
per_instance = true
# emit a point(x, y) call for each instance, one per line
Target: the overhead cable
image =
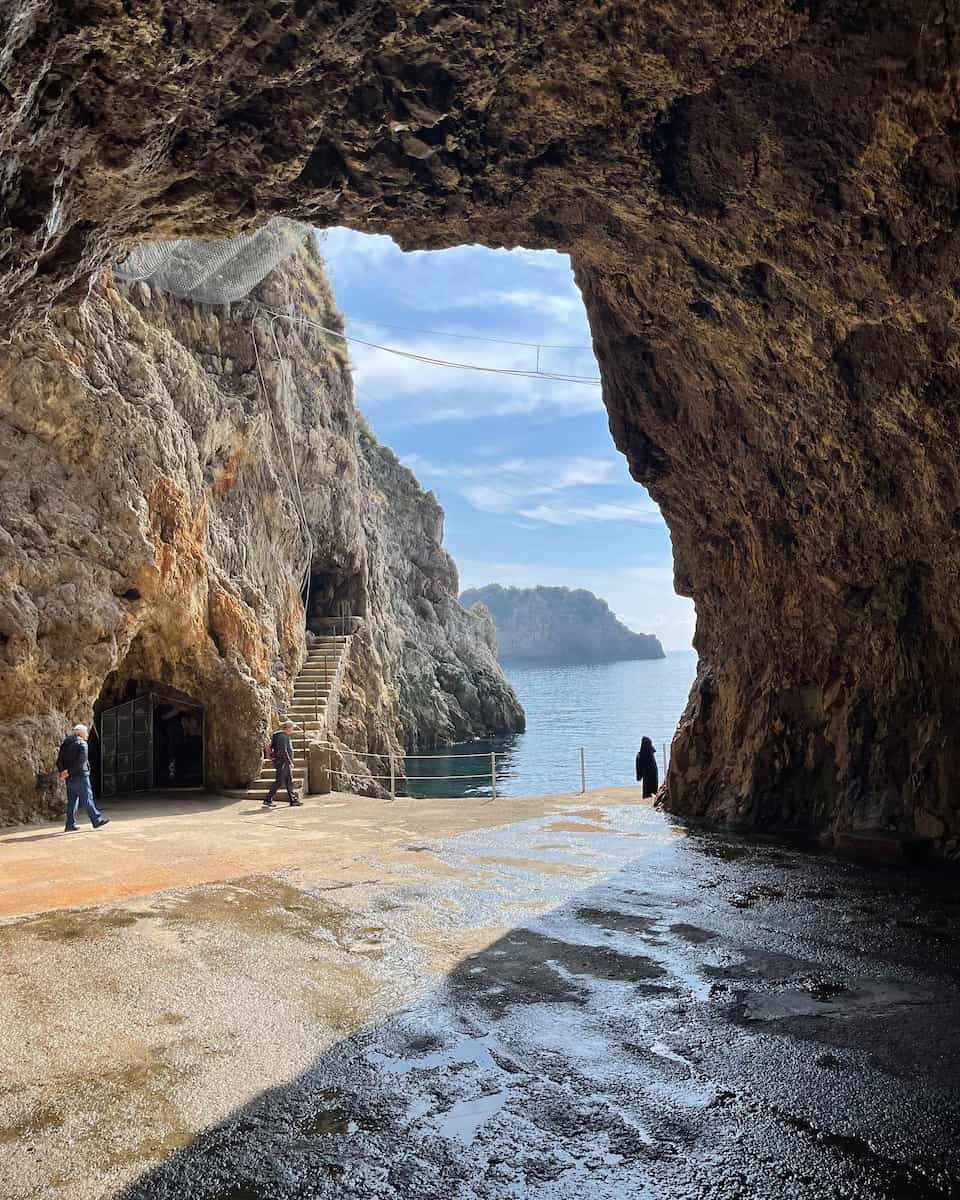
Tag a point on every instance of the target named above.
point(467, 337)
point(435, 362)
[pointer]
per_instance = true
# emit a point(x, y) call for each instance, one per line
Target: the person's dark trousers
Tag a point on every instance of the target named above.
point(283, 778)
point(79, 791)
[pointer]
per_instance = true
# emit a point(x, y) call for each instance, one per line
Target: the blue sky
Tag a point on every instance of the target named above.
point(533, 488)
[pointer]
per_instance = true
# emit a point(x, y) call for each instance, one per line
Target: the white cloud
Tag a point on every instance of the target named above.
point(384, 378)
point(560, 472)
point(642, 597)
point(356, 254)
point(578, 514)
point(567, 309)
point(507, 487)
point(461, 288)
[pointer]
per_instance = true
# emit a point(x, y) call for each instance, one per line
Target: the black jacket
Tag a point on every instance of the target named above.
point(282, 750)
point(647, 772)
point(73, 756)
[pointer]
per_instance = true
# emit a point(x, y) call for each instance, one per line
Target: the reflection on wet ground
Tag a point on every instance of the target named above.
point(628, 1011)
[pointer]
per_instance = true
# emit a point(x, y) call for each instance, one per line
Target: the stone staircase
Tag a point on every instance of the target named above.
point(315, 692)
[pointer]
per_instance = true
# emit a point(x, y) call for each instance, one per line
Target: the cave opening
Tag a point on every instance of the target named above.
point(333, 595)
point(147, 737)
point(490, 395)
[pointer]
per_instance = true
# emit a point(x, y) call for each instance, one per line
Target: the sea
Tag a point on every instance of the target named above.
point(603, 709)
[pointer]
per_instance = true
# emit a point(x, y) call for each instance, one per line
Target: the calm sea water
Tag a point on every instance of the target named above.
point(606, 709)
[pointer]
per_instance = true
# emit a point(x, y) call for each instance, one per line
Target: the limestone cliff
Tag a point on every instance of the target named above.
point(760, 200)
point(558, 625)
point(450, 686)
point(171, 474)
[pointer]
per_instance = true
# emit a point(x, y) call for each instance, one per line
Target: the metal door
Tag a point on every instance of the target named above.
point(126, 747)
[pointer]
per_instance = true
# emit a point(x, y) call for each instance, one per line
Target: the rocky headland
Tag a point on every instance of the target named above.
point(172, 474)
point(556, 625)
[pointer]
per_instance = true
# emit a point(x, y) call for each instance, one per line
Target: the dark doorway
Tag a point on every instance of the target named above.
point(334, 595)
point(154, 740)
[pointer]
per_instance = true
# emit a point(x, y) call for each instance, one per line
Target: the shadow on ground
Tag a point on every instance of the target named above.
point(153, 805)
point(715, 1021)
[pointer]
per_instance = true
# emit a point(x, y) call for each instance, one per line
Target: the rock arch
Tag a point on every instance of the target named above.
point(760, 200)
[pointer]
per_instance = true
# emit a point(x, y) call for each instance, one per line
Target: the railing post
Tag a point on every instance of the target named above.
point(493, 776)
point(583, 772)
point(393, 775)
point(316, 705)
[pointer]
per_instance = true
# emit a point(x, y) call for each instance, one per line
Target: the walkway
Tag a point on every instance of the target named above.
point(170, 841)
point(566, 998)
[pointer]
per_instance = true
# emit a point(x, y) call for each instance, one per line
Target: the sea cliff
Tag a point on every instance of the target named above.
point(174, 472)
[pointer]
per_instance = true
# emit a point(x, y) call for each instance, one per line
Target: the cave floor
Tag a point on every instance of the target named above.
point(543, 998)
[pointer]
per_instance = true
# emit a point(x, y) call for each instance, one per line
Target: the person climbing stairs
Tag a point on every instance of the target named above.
point(314, 696)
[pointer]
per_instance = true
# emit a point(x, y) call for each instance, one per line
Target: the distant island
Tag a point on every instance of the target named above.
point(557, 625)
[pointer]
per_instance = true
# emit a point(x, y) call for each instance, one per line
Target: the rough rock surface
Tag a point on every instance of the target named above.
point(760, 199)
point(159, 509)
point(557, 625)
point(443, 657)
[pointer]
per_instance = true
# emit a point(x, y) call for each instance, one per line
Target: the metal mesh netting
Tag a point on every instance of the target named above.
point(214, 272)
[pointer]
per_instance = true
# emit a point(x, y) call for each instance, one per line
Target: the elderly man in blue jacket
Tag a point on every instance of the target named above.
point(73, 763)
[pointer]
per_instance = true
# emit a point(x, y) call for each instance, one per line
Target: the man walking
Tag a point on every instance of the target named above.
point(281, 751)
point(73, 763)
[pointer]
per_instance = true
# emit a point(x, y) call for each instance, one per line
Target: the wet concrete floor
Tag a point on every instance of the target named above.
point(587, 1002)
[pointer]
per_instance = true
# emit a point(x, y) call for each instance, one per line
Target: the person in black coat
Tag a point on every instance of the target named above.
point(281, 752)
point(647, 768)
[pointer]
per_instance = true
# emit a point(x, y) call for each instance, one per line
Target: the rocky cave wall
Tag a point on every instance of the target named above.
point(154, 511)
point(761, 202)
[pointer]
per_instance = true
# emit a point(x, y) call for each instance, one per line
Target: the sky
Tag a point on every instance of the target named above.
point(534, 490)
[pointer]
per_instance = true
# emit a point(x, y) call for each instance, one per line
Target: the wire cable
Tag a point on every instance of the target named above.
point(440, 362)
point(466, 337)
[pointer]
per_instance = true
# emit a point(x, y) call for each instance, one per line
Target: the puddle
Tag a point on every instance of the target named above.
point(530, 968)
point(463, 1121)
point(662, 1050)
point(465, 1051)
point(333, 1122)
point(745, 900)
point(866, 998)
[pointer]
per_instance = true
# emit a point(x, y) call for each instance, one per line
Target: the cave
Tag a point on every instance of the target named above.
point(760, 203)
point(333, 596)
point(146, 736)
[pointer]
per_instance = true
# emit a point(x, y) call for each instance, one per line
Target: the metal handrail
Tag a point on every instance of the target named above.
point(396, 775)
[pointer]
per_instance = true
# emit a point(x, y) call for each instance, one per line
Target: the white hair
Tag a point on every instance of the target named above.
point(288, 725)
point(80, 729)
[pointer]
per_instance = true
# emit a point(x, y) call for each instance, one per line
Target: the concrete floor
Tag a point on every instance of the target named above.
point(544, 998)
